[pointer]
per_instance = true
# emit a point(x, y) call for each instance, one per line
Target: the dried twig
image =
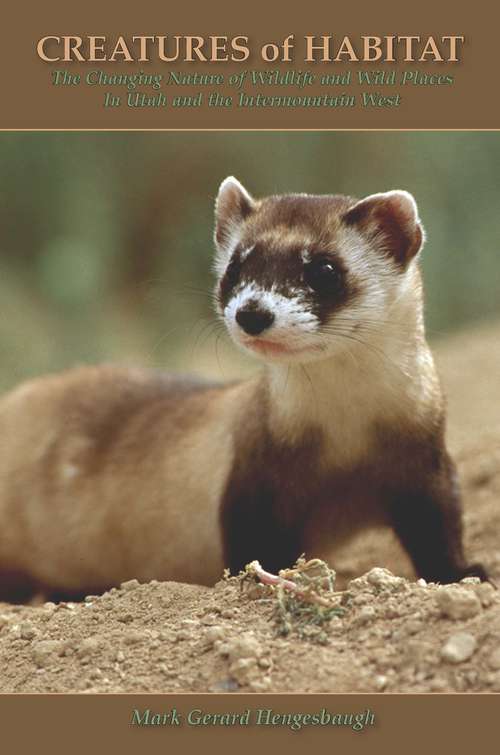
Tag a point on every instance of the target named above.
point(304, 596)
point(308, 595)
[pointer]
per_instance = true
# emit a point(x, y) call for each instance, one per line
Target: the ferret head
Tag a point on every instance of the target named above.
point(299, 275)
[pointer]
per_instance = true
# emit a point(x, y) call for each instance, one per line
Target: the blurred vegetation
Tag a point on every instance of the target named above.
point(106, 238)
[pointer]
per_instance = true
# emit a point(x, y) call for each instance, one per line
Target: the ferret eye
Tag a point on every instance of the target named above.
point(322, 276)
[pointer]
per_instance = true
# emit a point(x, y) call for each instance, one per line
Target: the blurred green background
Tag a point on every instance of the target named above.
point(106, 238)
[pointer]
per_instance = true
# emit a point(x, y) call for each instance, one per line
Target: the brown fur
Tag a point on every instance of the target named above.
point(111, 473)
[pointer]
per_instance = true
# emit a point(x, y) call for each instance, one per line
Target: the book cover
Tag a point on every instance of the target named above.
point(249, 429)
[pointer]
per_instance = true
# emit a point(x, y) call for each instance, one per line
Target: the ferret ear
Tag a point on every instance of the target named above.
point(391, 222)
point(232, 206)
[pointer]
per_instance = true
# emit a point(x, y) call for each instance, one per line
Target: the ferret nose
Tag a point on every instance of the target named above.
point(254, 321)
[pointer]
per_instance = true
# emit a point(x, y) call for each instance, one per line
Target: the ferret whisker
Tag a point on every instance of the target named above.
point(360, 329)
point(206, 324)
point(377, 351)
point(217, 340)
point(162, 339)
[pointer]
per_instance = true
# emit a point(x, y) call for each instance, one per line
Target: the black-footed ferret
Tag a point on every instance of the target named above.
point(111, 473)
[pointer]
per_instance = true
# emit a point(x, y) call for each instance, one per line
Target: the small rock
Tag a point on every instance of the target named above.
point(494, 659)
point(244, 646)
point(27, 631)
point(189, 623)
point(214, 633)
point(134, 638)
point(359, 584)
point(384, 579)
point(438, 685)
point(414, 626)
point(167, 671)
point(125, 618)
point(361, 598)
point(380, 682)
point(486, 593)
point(229, 613)
point(167, 636)
point(366, 614)
point(260, 685)
point(458, 602)
point(88, 646)
point(131, 584)
point(5, 620)
point(458, 648)
point(243, 670)
point(45, 651)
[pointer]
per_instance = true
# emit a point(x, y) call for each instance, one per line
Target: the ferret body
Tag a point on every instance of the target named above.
point(109, 473)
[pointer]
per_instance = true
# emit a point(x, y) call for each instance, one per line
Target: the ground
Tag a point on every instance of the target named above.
point(396, 634)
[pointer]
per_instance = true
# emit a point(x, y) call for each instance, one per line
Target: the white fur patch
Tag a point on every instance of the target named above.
point(290, 312)
point(224, 253)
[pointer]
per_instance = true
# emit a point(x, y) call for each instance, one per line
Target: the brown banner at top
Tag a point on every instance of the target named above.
point(259, 66)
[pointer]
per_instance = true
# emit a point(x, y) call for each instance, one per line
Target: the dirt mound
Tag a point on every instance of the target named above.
point(395, 635)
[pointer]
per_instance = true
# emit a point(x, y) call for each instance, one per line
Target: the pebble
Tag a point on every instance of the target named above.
point(229, 613)
point(214, 633)
point(486, 593)
point(131, 584)
point(5, 619)
point(43, 652)
point(209, 620)
point(260, 685)
point(167, 636)
point(88, 646)
point(125, 618)
point(494, 659)
point(458, 648)
point(380, 682)
point(366, 614)
point(458, 603)
point(384, 579)
point(27, 631)
point(414, 626)
point(437, 685)
point(134, 638)
point(495, 682)
point(243, 670)
point(245, 646)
